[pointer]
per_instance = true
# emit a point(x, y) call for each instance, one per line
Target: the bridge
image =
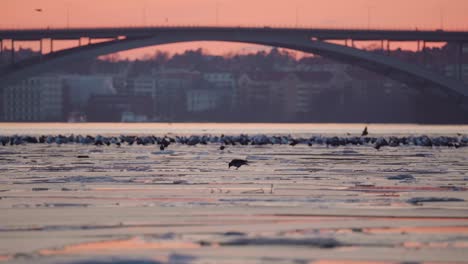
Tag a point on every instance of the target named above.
point(315, 41)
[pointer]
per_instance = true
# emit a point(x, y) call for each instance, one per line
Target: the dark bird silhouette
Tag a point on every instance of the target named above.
point(165, 142)
point(380, 142)
point(222, 147)
point(364, 133)
point(237, 163)
point(294, 142)
point(38, 9)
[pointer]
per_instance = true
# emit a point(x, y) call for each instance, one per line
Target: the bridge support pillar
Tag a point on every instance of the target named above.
point(51, 45)
point(419, 47)
point(79, 42)
point(424, 53)
point(388, 47)
point(1, 47)
point(40, 47)
point(460, 61)
point(12, 51)
point(382, 45)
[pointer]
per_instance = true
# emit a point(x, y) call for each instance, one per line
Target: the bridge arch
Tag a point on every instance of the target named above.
point(388, 66)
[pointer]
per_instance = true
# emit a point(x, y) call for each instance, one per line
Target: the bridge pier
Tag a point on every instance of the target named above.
point(79, 42)
point(382, 45)
point(51, 45)
point(1, 47)
point(460, 61)
point(12, 51)
point(40, 47)
point(424, 53)
point(388, 47)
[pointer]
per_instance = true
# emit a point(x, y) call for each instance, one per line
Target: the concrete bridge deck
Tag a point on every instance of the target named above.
point(322, 34)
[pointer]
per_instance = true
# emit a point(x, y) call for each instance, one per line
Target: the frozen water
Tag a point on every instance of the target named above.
point(292, 204)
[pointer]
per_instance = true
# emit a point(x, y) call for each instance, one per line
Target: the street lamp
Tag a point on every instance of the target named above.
point(68, 15)
point(217, 13)
point(369, 16)
point(297, 15)
point(39, 10)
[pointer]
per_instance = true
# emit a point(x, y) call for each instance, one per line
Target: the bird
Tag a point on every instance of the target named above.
point(294, 142)
point(238, 163)
point(380, 142)
point(38, 9)
point(222, 147)
point(365, 133)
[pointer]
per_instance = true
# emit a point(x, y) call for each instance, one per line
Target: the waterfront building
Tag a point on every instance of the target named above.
point(35, 99)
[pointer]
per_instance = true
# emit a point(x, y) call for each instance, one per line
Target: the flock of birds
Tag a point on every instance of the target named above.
point(232, 140)
point(227, 140)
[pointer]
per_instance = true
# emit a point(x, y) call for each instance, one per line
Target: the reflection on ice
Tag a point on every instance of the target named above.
point(120, 201)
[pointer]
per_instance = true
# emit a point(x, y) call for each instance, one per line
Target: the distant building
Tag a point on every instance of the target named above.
point(221, 80)
point(2, 95)
point(144, 86)
point(81, 88)
point(225, 85)
point(304, 87)
point(132, 117)
point(119, 82)
point(453, 71)
point(258, 96)
point(167, 88)
point(280, 95)
point(319, 67)
point(171, 93)
point(36, 99)
point(115, 108)
point(374, 98)
point(201, 100)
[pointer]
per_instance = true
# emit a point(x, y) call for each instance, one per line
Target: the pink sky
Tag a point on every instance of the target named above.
point(399, 14)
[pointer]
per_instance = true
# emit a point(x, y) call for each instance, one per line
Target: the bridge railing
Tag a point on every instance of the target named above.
point(243, 26)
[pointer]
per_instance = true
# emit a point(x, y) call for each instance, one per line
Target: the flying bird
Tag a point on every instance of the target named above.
point(38, 9)
point(238, 163)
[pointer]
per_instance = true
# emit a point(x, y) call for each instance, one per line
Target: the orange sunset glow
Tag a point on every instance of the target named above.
point(397, 14)
point(315, 13)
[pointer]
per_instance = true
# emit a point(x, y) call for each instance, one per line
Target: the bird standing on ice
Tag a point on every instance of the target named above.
point(238, 163)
